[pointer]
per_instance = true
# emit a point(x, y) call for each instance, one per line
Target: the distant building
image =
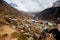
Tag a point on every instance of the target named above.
point(56, 4)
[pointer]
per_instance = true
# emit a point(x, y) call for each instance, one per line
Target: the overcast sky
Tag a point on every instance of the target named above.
point(31, 5)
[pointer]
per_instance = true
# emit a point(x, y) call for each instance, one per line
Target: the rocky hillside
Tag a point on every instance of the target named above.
point(6, 9)
point(49, 14)
point(6, 12)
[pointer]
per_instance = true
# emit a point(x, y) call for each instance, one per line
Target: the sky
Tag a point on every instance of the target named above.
point(31, 5)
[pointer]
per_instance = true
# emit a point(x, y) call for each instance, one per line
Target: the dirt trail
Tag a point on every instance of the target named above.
point(7, 30)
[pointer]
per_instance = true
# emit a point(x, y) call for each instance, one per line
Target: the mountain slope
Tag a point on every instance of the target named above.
point(6, 12)
point(49, 14)
point(5, 8)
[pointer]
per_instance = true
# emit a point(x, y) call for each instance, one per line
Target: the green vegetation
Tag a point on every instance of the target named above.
point(15, 34)
point(20, 36)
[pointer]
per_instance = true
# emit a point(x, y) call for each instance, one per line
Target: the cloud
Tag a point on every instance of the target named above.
point(32, 5)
